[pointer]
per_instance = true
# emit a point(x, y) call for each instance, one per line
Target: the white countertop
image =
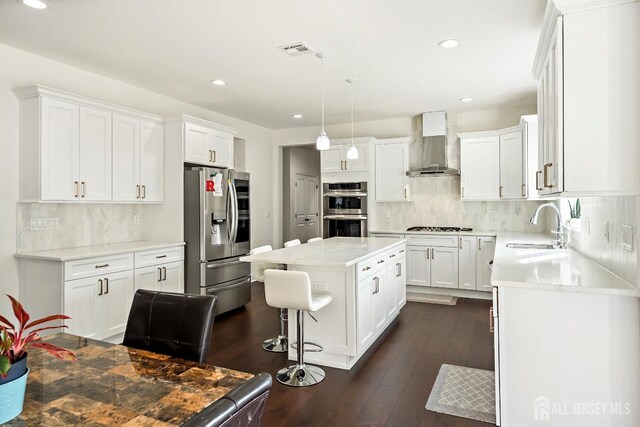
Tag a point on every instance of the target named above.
point(83, 252)
point(333, 252)
point(436, 233)
point(552, 269)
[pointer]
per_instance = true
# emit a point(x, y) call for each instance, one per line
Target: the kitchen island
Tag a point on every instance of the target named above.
point(366, 278)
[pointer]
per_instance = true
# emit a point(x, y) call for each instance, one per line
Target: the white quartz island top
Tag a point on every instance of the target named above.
point(83, 252)
point(552, 269)
point(333, 252)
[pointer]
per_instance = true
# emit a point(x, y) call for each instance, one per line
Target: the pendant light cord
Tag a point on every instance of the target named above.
point(352, 114)
point(322, 93)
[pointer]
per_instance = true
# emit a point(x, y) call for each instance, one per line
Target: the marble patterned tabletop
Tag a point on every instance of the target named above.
point(116, 385)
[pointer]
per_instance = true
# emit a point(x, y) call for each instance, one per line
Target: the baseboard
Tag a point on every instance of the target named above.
point(460, 293)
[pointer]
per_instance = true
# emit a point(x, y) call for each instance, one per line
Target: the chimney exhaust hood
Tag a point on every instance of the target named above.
point(434, 146)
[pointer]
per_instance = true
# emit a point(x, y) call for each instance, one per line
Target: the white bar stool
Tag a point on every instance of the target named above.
point(280, 343)
point(290, 243)
point(292, 290)
point(314, 239)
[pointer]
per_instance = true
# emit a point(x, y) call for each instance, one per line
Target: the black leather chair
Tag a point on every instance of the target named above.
point(241, 407)
point(178, 325)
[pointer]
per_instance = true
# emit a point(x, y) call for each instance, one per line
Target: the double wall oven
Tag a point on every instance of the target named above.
point(345, 209)
point(217, 231)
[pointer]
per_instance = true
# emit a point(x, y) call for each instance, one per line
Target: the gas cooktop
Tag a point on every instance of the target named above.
point(439, 229)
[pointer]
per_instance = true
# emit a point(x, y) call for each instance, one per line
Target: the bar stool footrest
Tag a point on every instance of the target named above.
point(318, 348)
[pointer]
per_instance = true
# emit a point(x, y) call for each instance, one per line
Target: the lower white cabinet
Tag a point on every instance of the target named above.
point(486, 250)
point(164, 278)
point(433, 266)
point(467, 262)
point(395, 283)
point(365, 313)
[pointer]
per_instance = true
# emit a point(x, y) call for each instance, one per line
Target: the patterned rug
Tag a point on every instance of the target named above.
point(464, 392)
point(432, 298)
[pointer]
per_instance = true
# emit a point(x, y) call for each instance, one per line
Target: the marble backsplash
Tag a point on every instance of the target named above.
point(436, 201)
point(590, 240)
point(79, 225)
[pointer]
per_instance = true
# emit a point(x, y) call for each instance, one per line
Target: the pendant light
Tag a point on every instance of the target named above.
point(352, 152)
point(322, 143)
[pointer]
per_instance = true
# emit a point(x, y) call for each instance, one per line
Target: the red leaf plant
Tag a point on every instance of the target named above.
point(14, 342)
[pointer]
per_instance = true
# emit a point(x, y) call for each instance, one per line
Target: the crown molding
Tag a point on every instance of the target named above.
point(201, 122)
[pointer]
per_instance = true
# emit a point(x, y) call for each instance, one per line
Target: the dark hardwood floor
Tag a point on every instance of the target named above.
point(390, 384)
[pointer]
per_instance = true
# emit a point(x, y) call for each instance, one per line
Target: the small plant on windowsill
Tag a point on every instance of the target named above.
point(575, 211)
point(14, 343)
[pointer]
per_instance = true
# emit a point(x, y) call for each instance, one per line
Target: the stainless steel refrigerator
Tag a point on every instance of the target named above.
point(217, 230)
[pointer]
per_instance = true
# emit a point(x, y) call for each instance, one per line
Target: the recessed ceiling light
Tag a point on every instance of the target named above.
point(296, 116)
point(449, 43)
point(218, 82)
point(467, 99)
point(36, 4)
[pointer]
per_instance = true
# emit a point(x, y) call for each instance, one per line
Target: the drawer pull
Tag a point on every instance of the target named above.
point(402, 251)
point(381, 261)
point(160, 256)
point(392, 256)
point(491, 325)
point(367, 268)
point(102, 265)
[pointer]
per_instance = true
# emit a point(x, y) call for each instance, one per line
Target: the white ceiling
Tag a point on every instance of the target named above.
point(177, 47)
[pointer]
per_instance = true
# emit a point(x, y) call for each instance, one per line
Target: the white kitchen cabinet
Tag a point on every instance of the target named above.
point(588, 73)
point(138, 160)
point(485, 251)
point(208, 146)
point(432, 266)
point(391, 291)
point(335, 158)
point(378, 301)
point(365, 329)
point(163, 277)
point(467, 262)
point(401, 281)
point(99, 305)
point(480, 168)
point(395, 283)
point(95, 155)
point(418, 265)
point(392, 164)
point(512, 165)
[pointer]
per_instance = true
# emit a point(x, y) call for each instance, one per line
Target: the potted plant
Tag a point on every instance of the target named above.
point(14, 343)
point(575, 212)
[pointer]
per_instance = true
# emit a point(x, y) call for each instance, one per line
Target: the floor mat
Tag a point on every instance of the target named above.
point(431, 298)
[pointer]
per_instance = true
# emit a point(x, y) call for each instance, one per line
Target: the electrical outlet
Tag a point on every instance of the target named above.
point(319, 286)
point(268, 213)
point(627, 237)
point(37, 224)
point(606, 231)
point(136, 219)
point(387, 214)
point(493, 214)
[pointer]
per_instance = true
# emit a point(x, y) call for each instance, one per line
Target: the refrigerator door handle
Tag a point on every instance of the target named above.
point(231, 211)
point(203, 250)
point(236, 213)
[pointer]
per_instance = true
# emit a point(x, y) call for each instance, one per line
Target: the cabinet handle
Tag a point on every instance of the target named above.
point(160, 256)
point(491, 325)
point(100, 281)
point(524, 190)
point(392, 256)
point(501, 191)
point(102, 265)
point(546, 175)
point(399, 273)
point(77, 188)
point(380, 261)
point(460, 242)
point(367, 268)
point(538, 180)
point(137, 191)
point(214, 155)
point(405, 193)
point(84, 188)
point(428, 253)
point(210, 157)
point(165, 273)
point(479, 244)
point(462, 192)
point(402, 251)
point(144, 191)
point(106, 282)
point(376, 280)
point(433, 253)
point(341, 165)
point(159, 274)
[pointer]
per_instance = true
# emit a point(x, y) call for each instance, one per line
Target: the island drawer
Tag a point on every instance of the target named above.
point(396, 253)
point(159, 256)
point(432, 240)
point(90, 267)
point(364, 269)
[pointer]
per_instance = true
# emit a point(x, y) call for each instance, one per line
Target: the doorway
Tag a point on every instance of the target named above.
point(306, 214)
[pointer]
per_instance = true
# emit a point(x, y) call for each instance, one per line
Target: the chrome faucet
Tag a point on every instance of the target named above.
point(560, 242)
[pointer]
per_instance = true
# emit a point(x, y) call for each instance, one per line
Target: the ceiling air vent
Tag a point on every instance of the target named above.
point(296, 49)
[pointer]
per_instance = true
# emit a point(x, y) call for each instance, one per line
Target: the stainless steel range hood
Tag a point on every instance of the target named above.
point(434, 146)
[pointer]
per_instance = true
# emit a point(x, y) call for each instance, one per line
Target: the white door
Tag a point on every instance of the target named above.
point(392, 163)
point(480, 168)
point(60, 157)
point(512, 173)
point(173, 277)
point(116, 301)
point(300, 195)
point(151, 162)
point(221, 143)
point(361, 164)
point(379, 308)
point(486, 250)
point(365, 315)
point(401, 282)
point(312, 212)
point(391, 292)
point(333, 159)
point(197, 144)
point(81, 304)
point(467, 262)
point(95, 154)
point(148, 278)
point(126, 159)
point(444, 267)
point(418, 265)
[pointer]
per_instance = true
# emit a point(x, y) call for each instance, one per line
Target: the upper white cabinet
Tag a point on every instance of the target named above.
point(335, 158)
point(480, 168)
point(206, 145)
point(512, 165)
point(588, 72)
point(76, 149)
point(391, 166)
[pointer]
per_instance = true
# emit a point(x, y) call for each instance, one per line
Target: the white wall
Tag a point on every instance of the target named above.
point(20, 68)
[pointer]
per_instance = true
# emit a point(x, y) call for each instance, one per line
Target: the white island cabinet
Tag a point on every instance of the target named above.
point(365, 277)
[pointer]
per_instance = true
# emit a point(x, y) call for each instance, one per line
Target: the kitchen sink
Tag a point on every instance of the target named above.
point(530, 246)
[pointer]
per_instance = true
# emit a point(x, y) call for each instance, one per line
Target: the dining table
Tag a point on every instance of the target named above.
point(112, 384)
